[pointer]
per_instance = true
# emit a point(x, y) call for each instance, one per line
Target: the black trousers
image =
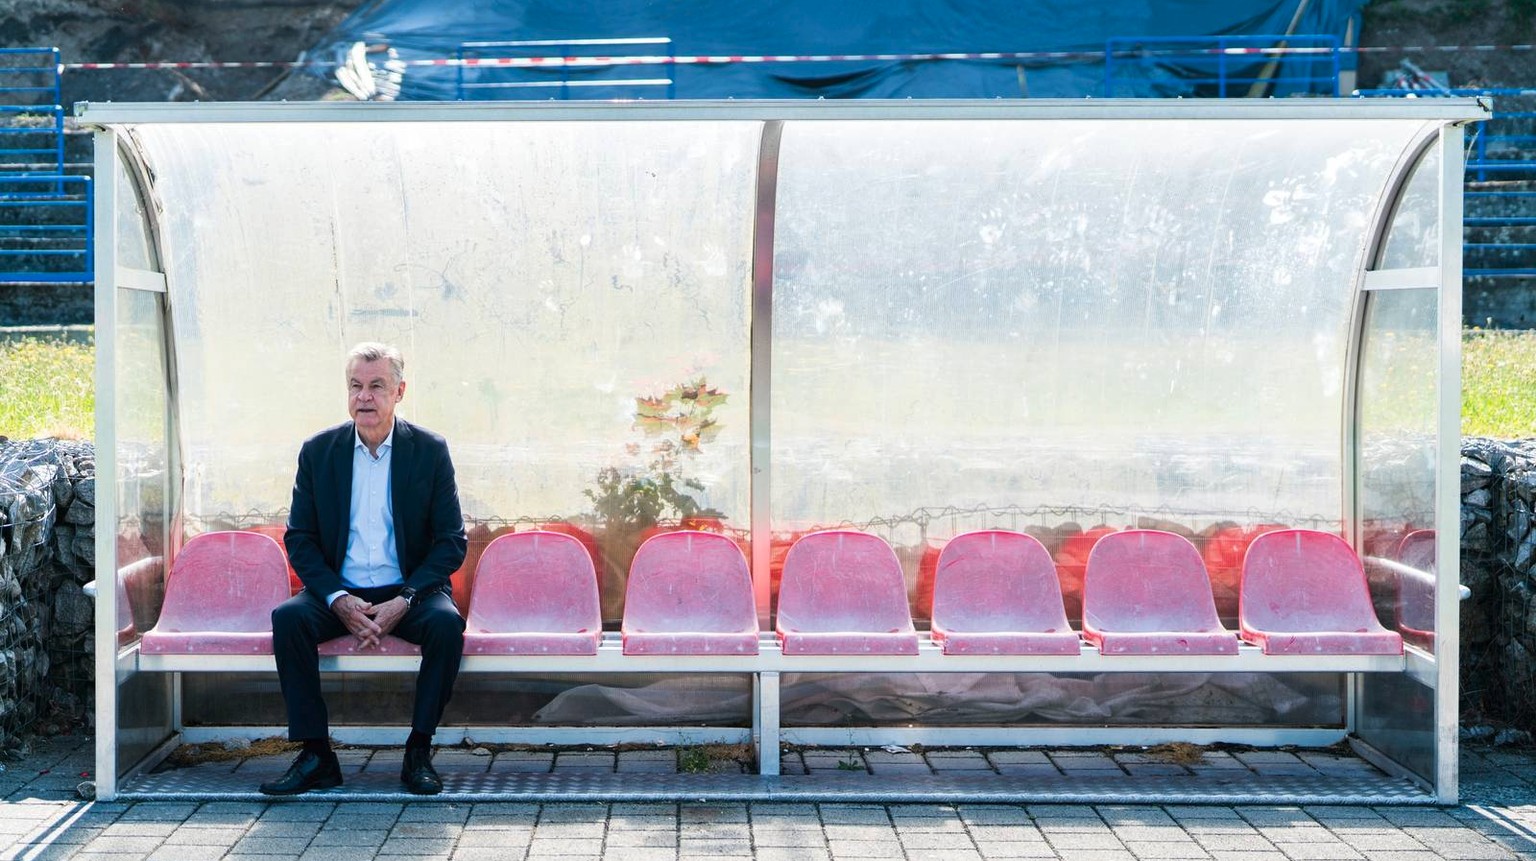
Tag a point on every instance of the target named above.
point(303, 622)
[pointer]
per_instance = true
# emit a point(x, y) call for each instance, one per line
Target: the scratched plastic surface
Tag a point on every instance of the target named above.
point(1224, 552)
point(996, 593)
point(1304, 592)
point(843, 593)
point(276, 531)
point(126, 631)
point(535, 593)
point(219, 597)
point(1416, 589)
point(1146, 592)
point(689, 593)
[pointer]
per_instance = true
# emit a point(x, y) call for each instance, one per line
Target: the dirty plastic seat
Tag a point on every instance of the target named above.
point(844, 594)
point(1304, 593)
point(278, 532)
point(535, 593)
point(689, 593)
point(219, 597)
point(996, 593)
point(127, 627)
point(1416, 589)
point(1145, 592)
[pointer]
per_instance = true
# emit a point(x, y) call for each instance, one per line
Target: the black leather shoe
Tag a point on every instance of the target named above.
point(309, 771)
point(417, 773)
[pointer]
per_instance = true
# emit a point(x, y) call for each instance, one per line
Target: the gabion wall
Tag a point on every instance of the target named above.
point(1498, 565)
point(47, 551)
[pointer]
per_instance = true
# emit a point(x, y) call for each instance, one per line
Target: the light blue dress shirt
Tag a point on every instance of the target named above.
point(372, 559)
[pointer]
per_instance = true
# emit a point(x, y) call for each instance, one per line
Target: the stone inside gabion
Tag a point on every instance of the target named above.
point(47, 553)
point(47, 505)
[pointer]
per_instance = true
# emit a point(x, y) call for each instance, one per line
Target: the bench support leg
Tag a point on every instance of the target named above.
point(767, 721)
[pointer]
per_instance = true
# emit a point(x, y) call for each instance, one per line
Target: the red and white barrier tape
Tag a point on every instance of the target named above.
point(731, 59)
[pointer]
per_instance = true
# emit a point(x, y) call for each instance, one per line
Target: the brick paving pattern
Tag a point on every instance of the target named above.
point(39, 821)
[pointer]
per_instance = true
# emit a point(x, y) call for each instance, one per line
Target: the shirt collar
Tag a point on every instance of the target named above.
point(386, 445)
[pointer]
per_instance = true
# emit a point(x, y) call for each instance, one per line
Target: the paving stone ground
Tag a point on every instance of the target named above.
point(40, 821)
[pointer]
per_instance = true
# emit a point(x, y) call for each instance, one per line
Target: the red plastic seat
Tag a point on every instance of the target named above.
point(1304, 592)
point(927, 572)
point(844, 593)
point(689, 593)
point(1071, 563)
point(277, 531)
point(535, 593)
point(127, 631)
point(1224, 551)
point(996, 593)
point(1145, 592)
point(1416, 591)
point(219, 597)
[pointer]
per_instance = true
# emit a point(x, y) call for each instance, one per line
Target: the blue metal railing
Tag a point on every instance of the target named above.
point(46, 236)
point(46, 232)
point(1500, 180)
point(31, 111)
point(593, 80)
point(1222, 66)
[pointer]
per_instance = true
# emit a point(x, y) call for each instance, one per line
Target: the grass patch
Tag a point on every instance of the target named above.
point(1498, 384)
point(47, 389)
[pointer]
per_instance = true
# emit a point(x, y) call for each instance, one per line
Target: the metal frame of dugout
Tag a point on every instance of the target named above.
point(143, 410)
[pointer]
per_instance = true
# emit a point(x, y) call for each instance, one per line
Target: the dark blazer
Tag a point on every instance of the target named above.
point(429, 529)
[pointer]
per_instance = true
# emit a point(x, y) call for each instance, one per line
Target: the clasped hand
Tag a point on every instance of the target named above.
point(369, 622)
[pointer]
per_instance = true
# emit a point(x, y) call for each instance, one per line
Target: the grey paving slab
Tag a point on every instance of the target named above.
point(339, 853)
point(803, 838)
point(484, 853)
point(494, 838)
point(564, 846)
point(1007, 849)
point(275, 828)
point(638, 855)
point(657, 839)
point(798, 853)
point(1498, 825)
point(182, 853)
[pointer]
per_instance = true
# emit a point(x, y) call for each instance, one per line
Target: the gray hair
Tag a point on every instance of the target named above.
point(372, 351)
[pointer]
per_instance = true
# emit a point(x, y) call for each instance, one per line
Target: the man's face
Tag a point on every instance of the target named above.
point(372, 392)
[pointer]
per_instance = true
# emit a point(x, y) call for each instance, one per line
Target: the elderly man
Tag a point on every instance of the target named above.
point(374, 532)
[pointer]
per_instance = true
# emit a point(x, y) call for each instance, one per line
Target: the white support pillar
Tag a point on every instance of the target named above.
point(105, 231)
point(768, 724)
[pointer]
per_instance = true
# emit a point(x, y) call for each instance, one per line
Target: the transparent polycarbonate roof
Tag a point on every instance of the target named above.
point(1092, 314)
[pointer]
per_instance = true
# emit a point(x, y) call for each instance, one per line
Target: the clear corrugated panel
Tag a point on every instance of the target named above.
point(572, 299)
point(489, 699)
point(134, 248)
point(1414, 238)
point(1059, 326)
point(1398, 400)
point(1005, 699)
point(143, 502)
point(1398, 422)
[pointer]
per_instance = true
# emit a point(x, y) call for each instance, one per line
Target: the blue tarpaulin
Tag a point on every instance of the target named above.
point(416, 30)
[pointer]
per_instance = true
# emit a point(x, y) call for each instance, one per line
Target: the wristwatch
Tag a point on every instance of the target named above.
point(409, 594)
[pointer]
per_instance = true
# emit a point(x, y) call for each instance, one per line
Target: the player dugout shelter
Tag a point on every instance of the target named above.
point(766, 320)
